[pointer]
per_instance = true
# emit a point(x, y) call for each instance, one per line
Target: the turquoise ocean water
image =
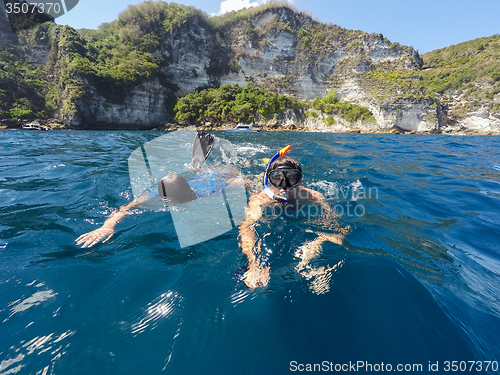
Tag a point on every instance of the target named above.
point(417, 284)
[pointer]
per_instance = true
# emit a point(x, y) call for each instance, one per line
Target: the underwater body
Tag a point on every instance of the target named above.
point(415, 287)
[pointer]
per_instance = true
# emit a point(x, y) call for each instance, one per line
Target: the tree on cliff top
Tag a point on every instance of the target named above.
point(230, 103)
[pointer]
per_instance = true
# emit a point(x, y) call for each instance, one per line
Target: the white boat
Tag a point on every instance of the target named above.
point(32, 126)
point(244, 128)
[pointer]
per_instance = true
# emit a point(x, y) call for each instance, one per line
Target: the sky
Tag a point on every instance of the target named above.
point(425, 25)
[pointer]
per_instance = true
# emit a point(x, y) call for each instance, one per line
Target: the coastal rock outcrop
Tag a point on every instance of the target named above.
point(143, 108)
point(179, 50)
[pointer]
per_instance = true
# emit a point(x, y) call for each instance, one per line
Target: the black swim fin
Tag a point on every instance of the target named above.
point(202, 145)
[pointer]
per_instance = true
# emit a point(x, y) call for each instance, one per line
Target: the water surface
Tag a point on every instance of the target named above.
point(417, 281)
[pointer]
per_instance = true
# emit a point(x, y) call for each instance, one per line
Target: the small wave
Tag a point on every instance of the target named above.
point(490, 193)
point(127, 194)
point(334, 191)
point(37, 285)
point(6, 363)
point(249, 149)
point(356, 187)
point(161, 308)
point(34, 300)
point(328, 188)
point(52, 166)
point(239, 296)
point(37, 345)
point(44, 343)
point(223, 153)
point(460, 145)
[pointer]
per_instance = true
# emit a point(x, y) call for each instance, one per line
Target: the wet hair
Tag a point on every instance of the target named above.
point(283, 162)
point(175, 189)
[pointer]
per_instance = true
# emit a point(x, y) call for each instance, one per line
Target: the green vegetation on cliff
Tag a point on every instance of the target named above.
point(136, 47)
point(23, 87)
point(120, 54)
point(470, 69)
point(331, 105)
point(230, 103)
point(113, 59)
point(455, 67)
point(245, 14)
point(389, 84)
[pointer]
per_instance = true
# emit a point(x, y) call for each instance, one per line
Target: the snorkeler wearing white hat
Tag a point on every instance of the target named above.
point(282, 183)
point(173, 189)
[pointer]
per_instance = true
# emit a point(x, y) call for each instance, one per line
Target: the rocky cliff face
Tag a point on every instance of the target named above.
point(281, 53)
point(287, 52)
point(480, 120)
point(143, 107)
point(279, 49)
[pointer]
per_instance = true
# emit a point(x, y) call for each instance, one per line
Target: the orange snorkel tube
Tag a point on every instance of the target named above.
point(265, 182)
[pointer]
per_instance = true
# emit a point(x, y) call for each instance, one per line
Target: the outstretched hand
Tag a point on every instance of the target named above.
point(91, 238)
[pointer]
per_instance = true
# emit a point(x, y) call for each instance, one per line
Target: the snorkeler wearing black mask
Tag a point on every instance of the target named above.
point(282, 183)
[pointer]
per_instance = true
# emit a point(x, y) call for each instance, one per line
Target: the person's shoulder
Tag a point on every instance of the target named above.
point(309, 194)
point(259, 198)
point(261, 195)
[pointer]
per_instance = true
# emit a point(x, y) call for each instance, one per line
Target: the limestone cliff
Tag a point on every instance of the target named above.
point(288, 52)
point(466, 81)
point(130, 72)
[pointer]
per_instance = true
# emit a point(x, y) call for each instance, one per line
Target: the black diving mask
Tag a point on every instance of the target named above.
point(285, 178)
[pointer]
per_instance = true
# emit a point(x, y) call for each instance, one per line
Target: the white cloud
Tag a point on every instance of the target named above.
point(233, 5)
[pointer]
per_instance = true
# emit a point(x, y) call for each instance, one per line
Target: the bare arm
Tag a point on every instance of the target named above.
point(255, 275)
point(108, 228)
point(321, 278)
point(311, 249)
point(248, 238)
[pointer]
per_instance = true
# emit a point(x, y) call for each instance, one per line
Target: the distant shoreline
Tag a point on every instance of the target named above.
point(56, 125)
